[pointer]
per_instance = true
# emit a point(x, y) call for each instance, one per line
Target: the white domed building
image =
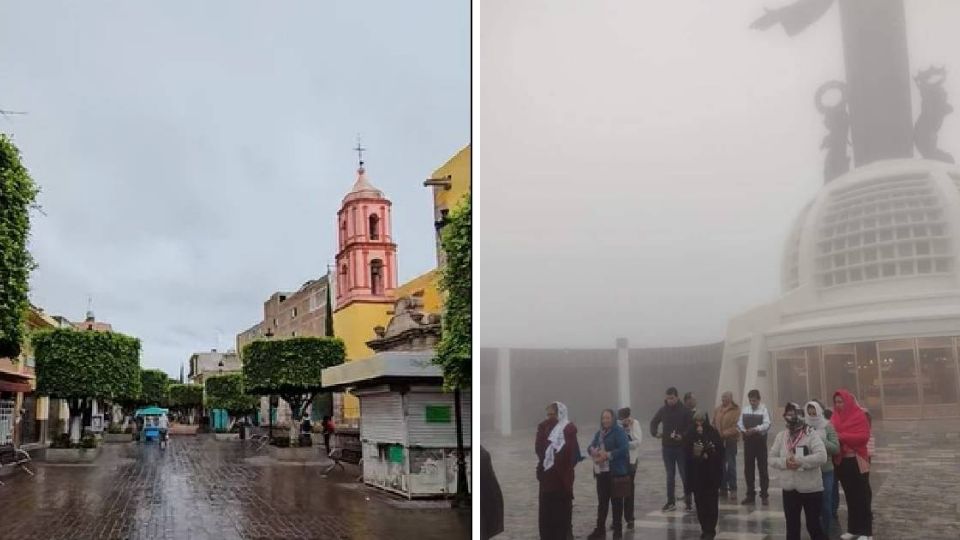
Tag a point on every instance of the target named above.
point(870, 298)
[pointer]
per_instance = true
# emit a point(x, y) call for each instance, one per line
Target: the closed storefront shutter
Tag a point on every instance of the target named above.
point(382, 416)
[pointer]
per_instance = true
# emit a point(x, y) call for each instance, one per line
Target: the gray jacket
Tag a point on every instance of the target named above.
point(806, 479)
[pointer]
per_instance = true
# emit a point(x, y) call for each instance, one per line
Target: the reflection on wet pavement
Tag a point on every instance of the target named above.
point(915, 480)
point(202, 488)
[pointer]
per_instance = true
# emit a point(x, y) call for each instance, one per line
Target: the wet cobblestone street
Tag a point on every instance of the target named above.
point(201, 488)
point(915, 480)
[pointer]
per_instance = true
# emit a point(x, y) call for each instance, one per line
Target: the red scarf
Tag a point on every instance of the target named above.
point(853, 428)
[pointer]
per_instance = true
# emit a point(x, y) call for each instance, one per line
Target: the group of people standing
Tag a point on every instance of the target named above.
point(817, 450)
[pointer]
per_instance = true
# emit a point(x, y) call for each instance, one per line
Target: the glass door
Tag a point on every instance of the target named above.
point(938, 377)
point(898, 378)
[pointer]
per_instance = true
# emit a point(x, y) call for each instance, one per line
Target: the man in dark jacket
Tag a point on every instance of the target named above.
point(558, 452)
point(676, 420)
point(703, 452)
point(491, 499)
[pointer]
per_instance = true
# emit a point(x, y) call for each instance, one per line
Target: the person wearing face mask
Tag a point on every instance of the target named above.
point(818, 422)
point(610, 451)
point(799, 452)
point(703, 450)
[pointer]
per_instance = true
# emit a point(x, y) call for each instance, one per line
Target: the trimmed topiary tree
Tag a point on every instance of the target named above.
point(17, 196)
point(290, 368)
point(226, 392)
point(155, 387)
point(186, 398)
point(79, 366)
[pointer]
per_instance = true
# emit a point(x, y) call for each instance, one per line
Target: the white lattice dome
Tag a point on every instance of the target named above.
point(887, 228)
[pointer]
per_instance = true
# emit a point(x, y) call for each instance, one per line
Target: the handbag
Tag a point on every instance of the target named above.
point(621, 487)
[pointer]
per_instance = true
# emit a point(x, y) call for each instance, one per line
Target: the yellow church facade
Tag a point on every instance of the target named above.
point(365, 280)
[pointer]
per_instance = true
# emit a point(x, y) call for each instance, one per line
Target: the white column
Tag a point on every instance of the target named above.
point(623, 371)
point(503, 387)
point(758, 376)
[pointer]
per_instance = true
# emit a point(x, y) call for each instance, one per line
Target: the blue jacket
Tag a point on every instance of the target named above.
point(618, 446)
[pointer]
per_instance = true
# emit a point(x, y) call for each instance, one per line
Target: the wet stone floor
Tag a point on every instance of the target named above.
point(915, 480)
point(200, 488)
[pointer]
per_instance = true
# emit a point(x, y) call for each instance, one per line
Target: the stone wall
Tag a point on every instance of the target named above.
point(586, 381)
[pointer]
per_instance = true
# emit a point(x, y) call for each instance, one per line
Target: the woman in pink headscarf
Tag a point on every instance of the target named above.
point(853, 463)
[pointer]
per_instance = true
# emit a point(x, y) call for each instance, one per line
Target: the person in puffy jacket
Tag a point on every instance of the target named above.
point(610, 450)
point(799, 453)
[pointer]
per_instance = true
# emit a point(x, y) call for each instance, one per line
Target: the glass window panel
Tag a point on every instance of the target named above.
point(813, 375)
point(839, 368)
point(938, 373)
point(791, 376)
point(899, 372)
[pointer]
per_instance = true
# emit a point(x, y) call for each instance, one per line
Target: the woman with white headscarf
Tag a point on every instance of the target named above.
point(818, 422)
point(558, 452)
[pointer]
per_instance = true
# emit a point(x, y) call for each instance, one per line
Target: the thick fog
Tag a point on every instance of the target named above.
point(641, 162)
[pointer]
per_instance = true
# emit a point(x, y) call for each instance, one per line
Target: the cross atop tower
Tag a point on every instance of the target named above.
point(360, 150)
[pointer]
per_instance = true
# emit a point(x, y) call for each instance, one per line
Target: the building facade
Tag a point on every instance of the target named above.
point(366, 273)
point(23, 414)
point(870, 298)
point(210, 364)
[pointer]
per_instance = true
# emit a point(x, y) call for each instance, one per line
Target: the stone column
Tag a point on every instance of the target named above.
point(503, 392)
point(623, 371)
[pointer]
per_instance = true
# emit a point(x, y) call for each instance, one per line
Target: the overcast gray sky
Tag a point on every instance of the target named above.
point(193, 155)
point(639, 163)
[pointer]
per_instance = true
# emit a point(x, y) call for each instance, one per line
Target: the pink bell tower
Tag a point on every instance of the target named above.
point(366, 254)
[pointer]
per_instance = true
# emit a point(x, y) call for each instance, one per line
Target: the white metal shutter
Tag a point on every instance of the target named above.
point(436, 435)
point(382, 416)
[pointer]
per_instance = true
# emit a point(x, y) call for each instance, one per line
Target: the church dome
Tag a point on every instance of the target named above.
point(888, 228)
point(362, 188)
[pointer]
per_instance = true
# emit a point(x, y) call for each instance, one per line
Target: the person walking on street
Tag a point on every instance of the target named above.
point(557, 452)
point(326, 424)
point(853, 464)
point(703, 451)
point(676, 420)
point(753, 425)
point(799, 453)
point(491, 499)
point(725, 418)
point(635, 435)
point(816, 420)
point(610, 450)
